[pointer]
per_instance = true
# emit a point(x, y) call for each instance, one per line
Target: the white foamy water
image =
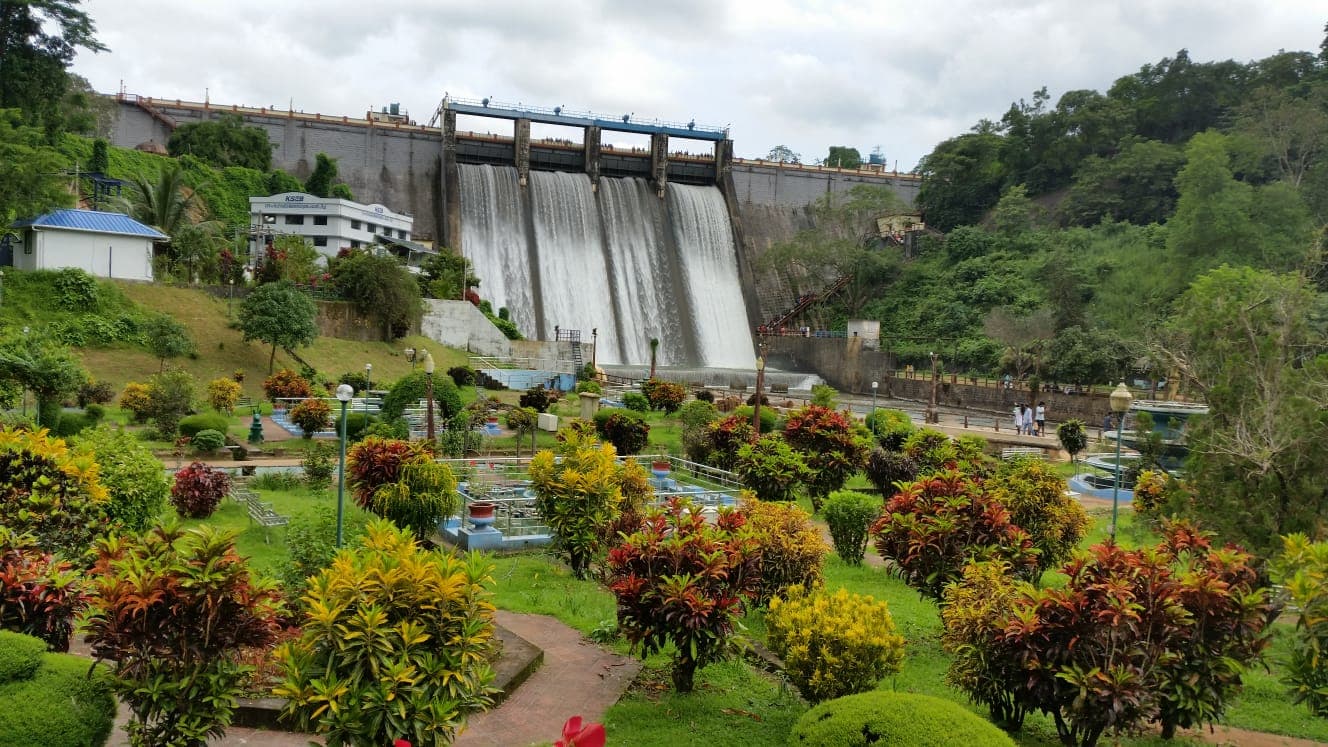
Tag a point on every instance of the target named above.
point(493, 238)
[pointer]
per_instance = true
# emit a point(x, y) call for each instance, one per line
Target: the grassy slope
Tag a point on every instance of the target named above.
point(222, 351)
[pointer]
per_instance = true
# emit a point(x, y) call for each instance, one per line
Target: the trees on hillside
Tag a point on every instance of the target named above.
point(321, 182)
point(843, 157)
point(29, 180)
point(222, 142)
point(166, 337)
point(278, 314)
point(38, 40)
point(380, 288)
point(45, 367)
point(783, 154)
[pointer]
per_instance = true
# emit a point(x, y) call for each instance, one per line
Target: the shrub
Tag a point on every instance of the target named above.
point(888, 469)
point(222, 394)
point(423, 494)
point(39, 594)
point(769, 418)
point(198, 489)
point(208, 441)
point(831, 446)
point(319, 463)
point(578, 495)
point(833, 644)
point(934, 527)
point(357, 424)
point(537, 399)
point(312, 415)
point(73, 423)
point(790, 549)
point(1303, 570)
point(20, 656)
point(696, 416)
point(208, 421)
point(1037, 501)
point(891, 428)
point(889, 718)
point(172, 397)
point(771, 469)
point(462, 375)
point(976, 610)
point(682, 580)
point(137, 399)
point(431, 622)
point(95, 393)
point(413, 388)
point(172, 610)
point(135, 484)
point(311, 540)
point(52, 699)
point(626, 430)
point(286, 384)
point(592, 387)
point(664, 395)
point(355, 380)
point(375, 462)
point(724, 437)
point(932, 450)
point(824, 395)
point(1073, 437)
point(751, 400)
point(849, 516)
point(1185, 620)
point(51, 493)
point(705, 395)
point(636, 402)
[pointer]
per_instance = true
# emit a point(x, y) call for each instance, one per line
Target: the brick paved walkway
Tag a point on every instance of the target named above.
point(578, 678)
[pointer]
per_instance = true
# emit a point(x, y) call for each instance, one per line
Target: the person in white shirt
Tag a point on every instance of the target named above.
point(1018, 420)
point(1028, 420)
point(1040, 417)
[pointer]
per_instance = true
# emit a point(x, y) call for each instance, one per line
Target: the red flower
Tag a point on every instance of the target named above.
point(401, 743)
point(574, 735)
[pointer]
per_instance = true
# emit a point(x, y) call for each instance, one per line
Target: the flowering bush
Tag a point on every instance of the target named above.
point(771, 469)
point(311, 415)
point(578, 495)
point(831, 446)
point(833, 644)
point(626, 430)
point(577, 735)
point(198, 489)
point(684, 581)
point(790, 547)
point(724, 437)
point(134, 481)
point(286, 384)
point(222, 394)
point(1037, 500)
point(664, 395)
point(137, 399)
point(39, 595)
point(375, 462)
point(51, 493)
point(933, 527)
point(171, 610)
point(977, 608)
point(932, 450)
point(890, 427)
point(1303, 569)
point(423, 494)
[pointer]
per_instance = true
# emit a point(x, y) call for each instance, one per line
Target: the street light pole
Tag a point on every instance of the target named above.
point(344, 393)
point(368, 378)
point(875, 384)
point(932, 415)
point(428, 379)
point(756, 403)
point(1120, 404)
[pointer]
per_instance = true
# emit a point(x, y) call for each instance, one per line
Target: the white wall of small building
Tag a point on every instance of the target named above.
point(345, 223)
point(105, 255)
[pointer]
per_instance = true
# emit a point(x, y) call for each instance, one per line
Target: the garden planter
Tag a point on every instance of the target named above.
point(660, 469)
point(480, 513)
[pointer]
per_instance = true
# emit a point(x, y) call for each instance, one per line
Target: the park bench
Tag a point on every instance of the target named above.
point(1022, 452)
point(241, 494)
point(265, 516)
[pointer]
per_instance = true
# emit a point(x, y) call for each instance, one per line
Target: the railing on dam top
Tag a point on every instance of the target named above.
point(563, 116)
point(206, 106)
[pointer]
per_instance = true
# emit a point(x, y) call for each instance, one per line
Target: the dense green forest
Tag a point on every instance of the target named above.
point(1063, 235)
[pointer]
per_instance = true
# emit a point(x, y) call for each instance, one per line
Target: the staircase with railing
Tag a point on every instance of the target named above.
point(803, 303)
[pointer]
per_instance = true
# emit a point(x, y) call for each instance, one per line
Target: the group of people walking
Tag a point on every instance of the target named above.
point(1029, 421)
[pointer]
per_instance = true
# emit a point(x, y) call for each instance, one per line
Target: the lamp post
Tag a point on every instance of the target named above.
point(756, 402)
point(594, 348)
point(1120, 404)
point(428, 389)
point(875, 384)
point(368, 378)
point(932, 415)
point(344, 393)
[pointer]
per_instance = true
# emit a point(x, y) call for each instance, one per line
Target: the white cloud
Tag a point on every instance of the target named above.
point(805, 73)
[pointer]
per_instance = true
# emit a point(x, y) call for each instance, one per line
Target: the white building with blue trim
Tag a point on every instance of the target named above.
point(329, 223)
point(108, 245)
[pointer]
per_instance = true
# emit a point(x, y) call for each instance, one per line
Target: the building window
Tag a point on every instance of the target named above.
point(354, 225)
point(370, 227)
point(295, 220)
point(320, 220)
point(354, 245)
point(320, 241)
point(403, 234)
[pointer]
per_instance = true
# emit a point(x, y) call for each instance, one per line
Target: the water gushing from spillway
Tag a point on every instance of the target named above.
point(622, 261)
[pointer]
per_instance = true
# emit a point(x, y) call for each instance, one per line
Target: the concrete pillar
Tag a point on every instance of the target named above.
point(589, 405)
point(723, 157)
point(659, 161)
point(521, 139)
point(449, 227)
point(592, 156)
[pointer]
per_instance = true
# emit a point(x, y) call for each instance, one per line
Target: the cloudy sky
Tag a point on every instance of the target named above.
point(804, 73)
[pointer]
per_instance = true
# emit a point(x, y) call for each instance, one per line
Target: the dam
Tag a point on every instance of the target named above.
point(630, 243)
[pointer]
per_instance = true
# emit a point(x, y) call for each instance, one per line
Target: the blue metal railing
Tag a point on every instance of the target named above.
point(562, 116)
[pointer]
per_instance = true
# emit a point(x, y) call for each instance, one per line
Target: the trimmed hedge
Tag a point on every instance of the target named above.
point(20, 656)
point(204, 421)
point(889, 718)
point(59, 703)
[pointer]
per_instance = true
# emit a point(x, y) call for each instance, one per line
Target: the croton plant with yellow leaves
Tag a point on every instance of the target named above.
point(51, 492)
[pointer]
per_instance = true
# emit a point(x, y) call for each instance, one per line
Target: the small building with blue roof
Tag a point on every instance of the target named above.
point(108, 245)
